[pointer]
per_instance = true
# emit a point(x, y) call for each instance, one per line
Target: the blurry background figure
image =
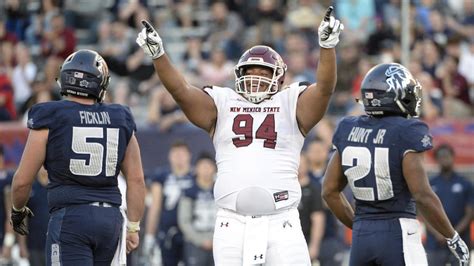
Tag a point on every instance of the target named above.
point(197, 214)
point(7, 236)
point(163, 110)
point(316, 156)
point(457, 196)
point(23, 74)
point(38, 203)
point(312, 216)
point(162, 219)
point(332, 249)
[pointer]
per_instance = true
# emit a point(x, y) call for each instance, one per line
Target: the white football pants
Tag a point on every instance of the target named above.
point(281, 234)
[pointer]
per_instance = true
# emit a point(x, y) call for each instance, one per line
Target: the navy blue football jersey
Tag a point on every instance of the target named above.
point(172, 187)
point(86, 146)
point(372, 151)
point(204, 208)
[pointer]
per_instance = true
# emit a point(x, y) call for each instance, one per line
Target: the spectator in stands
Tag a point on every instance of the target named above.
point(311, 212)
point(439, 31)
point(430, 56)
point(163, 110)
point(298, 65)
point(226, 29)
point(83, 14)
point(346, 72)
point(41, 93)
point(41, 21)
point(5, 35)
point(162, 218)
point(23, 74)
point(38, 203)
point(197, 214)
point(60, 40)
point(432, 105)
point(466, 61)
point(219, 70)
point(7, 103)
point(7, 57)
point(457, 102)
point(457, 196)
point(17, 17)
point(358, 16)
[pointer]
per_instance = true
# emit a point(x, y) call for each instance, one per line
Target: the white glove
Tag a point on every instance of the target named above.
point(459, 249)
point(148, 244)
point(329, 30)
point(150, 41)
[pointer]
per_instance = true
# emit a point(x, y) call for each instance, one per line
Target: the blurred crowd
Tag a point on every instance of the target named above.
point(205, 39)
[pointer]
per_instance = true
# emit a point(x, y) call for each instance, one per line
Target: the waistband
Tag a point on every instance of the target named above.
point(101, 204)
point(280, 214)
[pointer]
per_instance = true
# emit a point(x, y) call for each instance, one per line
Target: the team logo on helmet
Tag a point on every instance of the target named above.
point(398, 78)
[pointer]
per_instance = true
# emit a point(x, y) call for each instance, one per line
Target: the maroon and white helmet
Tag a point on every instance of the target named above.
point(250, 86)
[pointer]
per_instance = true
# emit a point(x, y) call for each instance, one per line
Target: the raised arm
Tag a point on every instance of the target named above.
point(313, 102)
point(195, 103)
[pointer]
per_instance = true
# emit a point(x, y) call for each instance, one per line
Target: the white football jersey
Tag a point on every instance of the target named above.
point(257, 146)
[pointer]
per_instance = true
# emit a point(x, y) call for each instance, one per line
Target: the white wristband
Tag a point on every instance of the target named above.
point(8, 240)
point(133, 227)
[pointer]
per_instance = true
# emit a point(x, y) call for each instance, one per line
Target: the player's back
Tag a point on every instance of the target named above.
point(372, 151)
point(86, 145)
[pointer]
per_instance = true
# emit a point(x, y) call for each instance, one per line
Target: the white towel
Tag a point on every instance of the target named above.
point(255, 240)
point(413, 250)
point(120, 257)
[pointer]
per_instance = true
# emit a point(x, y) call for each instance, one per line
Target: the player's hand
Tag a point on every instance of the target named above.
point(329, 30)
point(18, 220)
point(133, 239)
point(150, 41)
point(459, 249)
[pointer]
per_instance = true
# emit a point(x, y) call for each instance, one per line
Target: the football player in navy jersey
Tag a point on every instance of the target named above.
point(83, 144)
point(197, 214)
point(380, 155)
point(162, 218)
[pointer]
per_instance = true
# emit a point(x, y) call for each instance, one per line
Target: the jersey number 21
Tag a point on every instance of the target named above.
point(362, 169)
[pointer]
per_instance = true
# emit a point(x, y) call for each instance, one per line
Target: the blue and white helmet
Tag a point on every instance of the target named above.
point(85, 74)
point(390, 89)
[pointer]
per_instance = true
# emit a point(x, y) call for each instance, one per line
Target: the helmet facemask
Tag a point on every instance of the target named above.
point(410, 102)
point(256, 88)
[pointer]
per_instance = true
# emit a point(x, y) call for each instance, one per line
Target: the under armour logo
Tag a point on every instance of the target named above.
point(258, 257)
point(287, 223)
point(225, 224)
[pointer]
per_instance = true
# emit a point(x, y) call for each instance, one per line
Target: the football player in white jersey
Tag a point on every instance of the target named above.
point(258, 129)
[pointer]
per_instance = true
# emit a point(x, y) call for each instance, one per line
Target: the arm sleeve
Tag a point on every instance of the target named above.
point(415, 137)
point(40, 116)
point(336, 137)
point(130, 120)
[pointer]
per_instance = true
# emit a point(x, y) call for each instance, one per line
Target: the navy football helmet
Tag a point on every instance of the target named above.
point(84, 73)
point(249, 86)
point(390, 89)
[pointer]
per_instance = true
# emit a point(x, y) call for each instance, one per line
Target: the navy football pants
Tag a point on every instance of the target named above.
point(83, 235)
point(377, 242)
